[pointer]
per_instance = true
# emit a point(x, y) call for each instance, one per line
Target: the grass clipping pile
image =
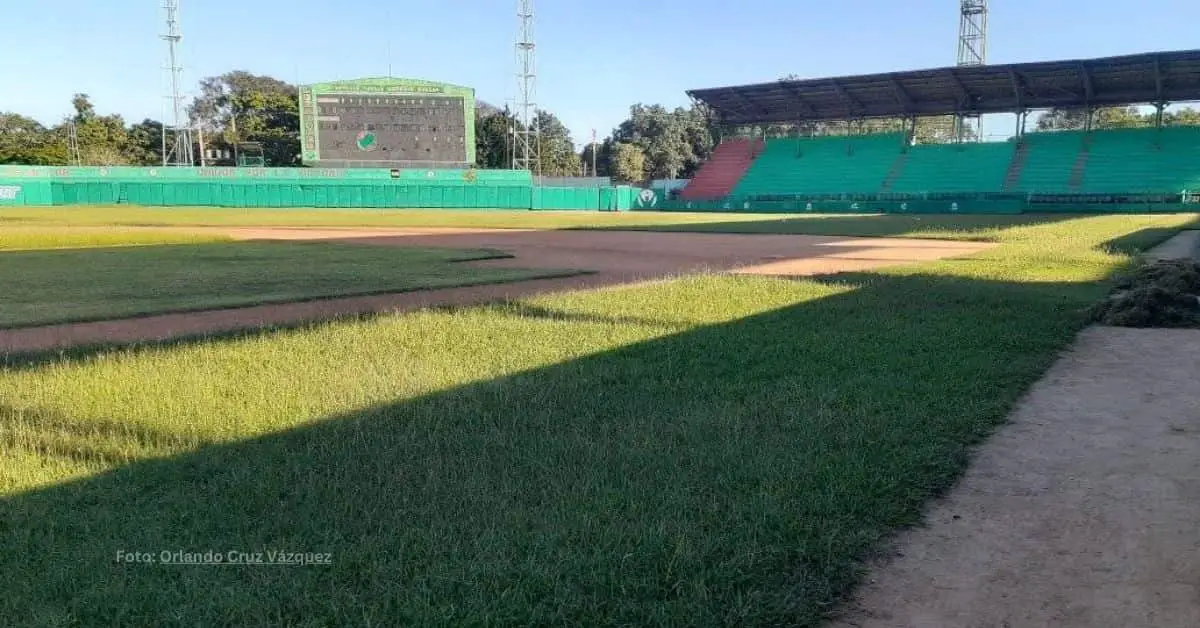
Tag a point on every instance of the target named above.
point(1165, 293)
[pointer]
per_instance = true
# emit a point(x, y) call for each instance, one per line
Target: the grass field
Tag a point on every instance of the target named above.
point(26, 237)
point(977, 227)
point(706, 451)
point(42, 287)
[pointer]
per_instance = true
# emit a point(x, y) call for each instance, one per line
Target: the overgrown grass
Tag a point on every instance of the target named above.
point(706, 451)
point(18, 237)
point(41, 287)
point(939, 226)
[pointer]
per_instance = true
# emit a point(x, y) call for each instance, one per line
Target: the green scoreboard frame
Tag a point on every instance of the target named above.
point(310, 95)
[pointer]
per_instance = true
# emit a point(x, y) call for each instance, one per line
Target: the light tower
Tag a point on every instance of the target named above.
point(176, 140)
point(75, 156)
point(527, 137)
point(972, 50)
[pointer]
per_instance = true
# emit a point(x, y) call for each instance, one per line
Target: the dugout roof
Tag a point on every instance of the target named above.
point(1133, 79)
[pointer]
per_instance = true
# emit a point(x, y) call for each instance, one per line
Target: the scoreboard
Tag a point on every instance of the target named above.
point(387, 123)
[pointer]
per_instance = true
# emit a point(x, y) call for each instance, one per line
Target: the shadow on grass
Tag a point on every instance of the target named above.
point(27, 360)
point(64, 286)
point(732, 474)
point(1145, 239)
point(57, 437)
point(528, 310)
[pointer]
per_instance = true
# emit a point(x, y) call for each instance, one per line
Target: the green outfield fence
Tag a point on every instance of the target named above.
point(301, 187)
point(493, 189)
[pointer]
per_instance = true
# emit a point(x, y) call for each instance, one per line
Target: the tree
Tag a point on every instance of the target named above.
point(603, 160)
point(144, 147)
point(25, 141)
point(929, 129)
point(243, 107)
point(84, 110)
point(1062, 120)
point(674, 143)
point(103, 140)
point(556, 150)
point(494, 142)
point(484, 109)
point(699, 135)
point(1103, 118)
point(1184, 116)
point(628, 163)
point(1122, 118)
point(493, 139)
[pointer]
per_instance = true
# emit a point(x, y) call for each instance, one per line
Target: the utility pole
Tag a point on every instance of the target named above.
point(236, 139)
point(203, 154)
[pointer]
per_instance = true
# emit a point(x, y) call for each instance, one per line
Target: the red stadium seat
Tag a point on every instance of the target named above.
point(718, 176)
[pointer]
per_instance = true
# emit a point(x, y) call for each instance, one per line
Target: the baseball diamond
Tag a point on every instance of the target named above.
point(839, 344)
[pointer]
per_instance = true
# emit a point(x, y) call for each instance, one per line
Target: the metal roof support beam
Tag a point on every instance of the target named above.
point(712, 116)
point(1018, 88)
point(750, 103)
point(739, 110)
point(1158, 80)
point(850, 100)
point(1113, 81)
point(804, 104)
point(1089, 91)
point(964, 97)
point(902, 97)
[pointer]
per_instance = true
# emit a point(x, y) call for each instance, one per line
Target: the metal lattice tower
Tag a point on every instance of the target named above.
point(972, 50)
point(972, 33)
point(74, 155)
point(527, 136)
point(177, 140)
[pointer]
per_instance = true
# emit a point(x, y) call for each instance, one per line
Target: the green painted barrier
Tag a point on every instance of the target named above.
point(921, 204)
point(485, 189)
point(407, 175)
point(18, 192)
point(300, 187)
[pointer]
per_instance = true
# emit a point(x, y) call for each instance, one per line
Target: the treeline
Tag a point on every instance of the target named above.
point(1114, 118)
point(652, 143)
point(102, 140)
point(242, 107)
point(232, 108)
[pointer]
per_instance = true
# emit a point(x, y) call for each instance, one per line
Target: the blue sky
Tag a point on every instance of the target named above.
point(595, 58)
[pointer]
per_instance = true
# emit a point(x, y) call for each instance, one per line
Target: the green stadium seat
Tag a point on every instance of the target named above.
point(966, 167)
point(1118, 161)
point(1049, 161)
point(821, 165)
point(1114, 161)
point(1143, 161)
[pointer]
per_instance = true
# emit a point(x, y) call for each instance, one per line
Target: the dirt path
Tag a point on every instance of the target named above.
point(1083, 512)
point(1185, 244)
point(649, 254)
point(610, 257)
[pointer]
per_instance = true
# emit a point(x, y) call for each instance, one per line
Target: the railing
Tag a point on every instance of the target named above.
point(946, 202)
point(1029, 197)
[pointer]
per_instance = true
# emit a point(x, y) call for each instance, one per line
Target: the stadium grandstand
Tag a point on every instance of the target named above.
point(1156, 166)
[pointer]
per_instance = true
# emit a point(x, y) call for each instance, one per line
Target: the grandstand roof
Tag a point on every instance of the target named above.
point(1133, 79)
